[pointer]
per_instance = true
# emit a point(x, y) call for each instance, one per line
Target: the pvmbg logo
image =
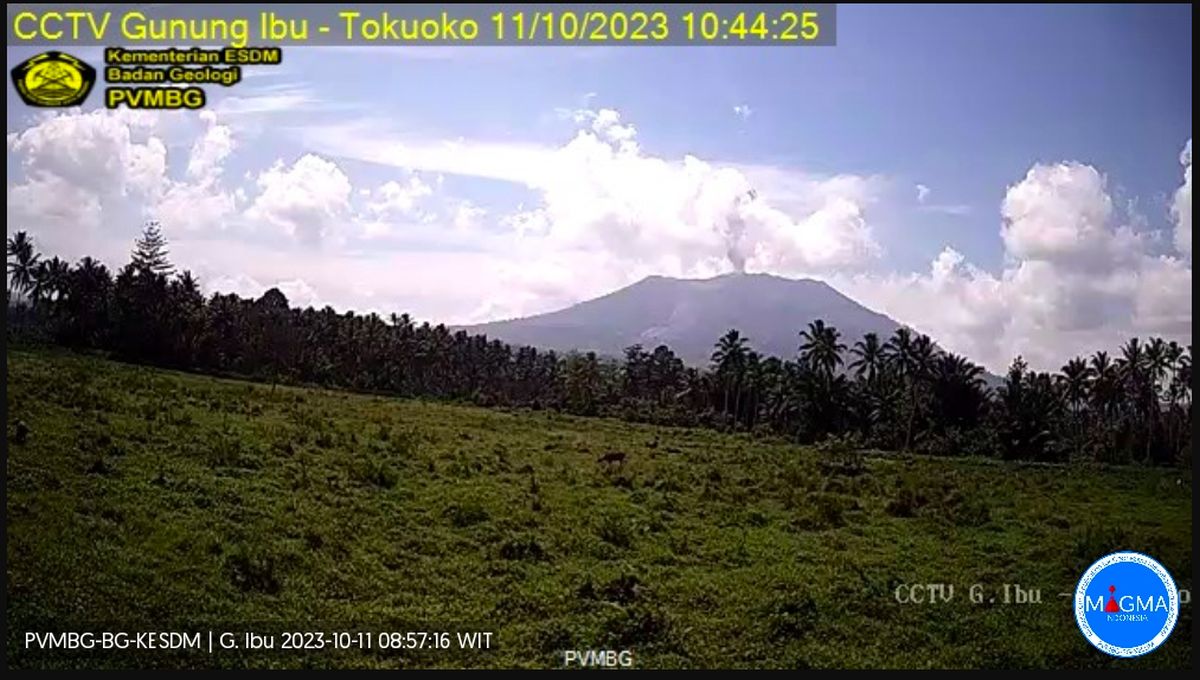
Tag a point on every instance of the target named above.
point(53, 79)
point(1126, 604)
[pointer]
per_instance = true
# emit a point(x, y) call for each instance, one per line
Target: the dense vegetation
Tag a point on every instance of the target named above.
point(144, 499)
point(898, 393)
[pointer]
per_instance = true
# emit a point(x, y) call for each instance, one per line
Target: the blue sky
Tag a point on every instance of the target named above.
point(526, 179)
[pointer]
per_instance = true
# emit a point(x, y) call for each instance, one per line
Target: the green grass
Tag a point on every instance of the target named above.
point(142, 499)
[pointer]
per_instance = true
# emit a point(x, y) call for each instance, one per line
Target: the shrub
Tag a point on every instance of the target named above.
point(791, 617)
point(466, 514)
point(843, 455)
point(405, 443)
point(638, 625)
point(907, 503)
point(828, 510)
point(253, 572)
point(614, 530)
point(622, 590)
point(526, 548)
point(371, 470)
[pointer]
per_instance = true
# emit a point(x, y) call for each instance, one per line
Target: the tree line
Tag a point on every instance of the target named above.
point(897, 393)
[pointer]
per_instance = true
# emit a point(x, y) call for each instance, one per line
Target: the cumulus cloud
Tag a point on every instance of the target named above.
point(1063, 214)
point(308, 199)
point(210, 149)
point(100, 152)
point(399, 198)
point(47, 199)
point(392, 203)
point(604, 204)
point(1181, 207)
point(195, 207)
point(107, 170)
point(199, 202)
point(1075, 280)
point(467, 215)
point(78, 172)
point(743, 111)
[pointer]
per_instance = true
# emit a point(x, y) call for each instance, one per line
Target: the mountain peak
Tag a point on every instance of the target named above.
point(688, 315)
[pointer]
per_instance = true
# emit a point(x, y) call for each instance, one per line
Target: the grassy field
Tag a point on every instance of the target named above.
point(141, 499)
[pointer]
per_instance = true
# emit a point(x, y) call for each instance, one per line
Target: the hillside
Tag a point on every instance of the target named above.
point(141, 499)
point(690, 314)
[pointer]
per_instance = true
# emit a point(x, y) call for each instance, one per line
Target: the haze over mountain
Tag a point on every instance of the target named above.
point(689, 315)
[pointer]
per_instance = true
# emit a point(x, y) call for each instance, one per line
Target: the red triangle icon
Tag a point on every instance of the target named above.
point(1112, 607)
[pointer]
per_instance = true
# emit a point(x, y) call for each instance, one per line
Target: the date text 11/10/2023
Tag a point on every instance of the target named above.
point(571, 26)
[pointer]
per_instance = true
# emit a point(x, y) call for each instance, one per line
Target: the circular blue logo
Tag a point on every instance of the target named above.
point(1126, 604)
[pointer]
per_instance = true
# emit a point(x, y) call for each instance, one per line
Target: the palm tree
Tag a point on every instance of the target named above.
point(1174, 365)
point(1073, 381)
point(728, 360)
point(898, 349)
point(1103, 386)
point(958, 390)
point(821, 350)
point(911, 358)
point(1158, 361)
point(50, 281)
point(1158, 364)
point(22, 263)
point(869, 353)
point(1135, 371)
point(754, 377)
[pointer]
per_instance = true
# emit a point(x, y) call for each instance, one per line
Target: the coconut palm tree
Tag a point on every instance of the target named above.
point(958, 391)
point(1137, 380)
point(51, 281)
point(869, 358)
point(910, 357)
point(1073, 383)
point(1103, 385)
point(821, 350)
point(729, 360)
point(1074, 379)
point(22, 263)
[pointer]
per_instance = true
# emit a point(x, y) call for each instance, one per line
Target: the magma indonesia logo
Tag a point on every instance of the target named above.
point(1126, 604)
point(53, 79)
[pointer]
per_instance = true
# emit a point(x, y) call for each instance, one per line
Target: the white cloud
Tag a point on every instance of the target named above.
point(309, 199)
point(49, 200)
point(603, 213)
point(199, 202)
point(102, 152)
point(399, 199)
point(601, 193)
point(268, 100)
point(1181, 207)
point(956, 209)
point(922, 193)
point(210, 150)
point(467, 215)
point(1075, 280)
point(1062, 213)
point(743, 111)
point(193, 207)
point(368, 140)
point(107, 170)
